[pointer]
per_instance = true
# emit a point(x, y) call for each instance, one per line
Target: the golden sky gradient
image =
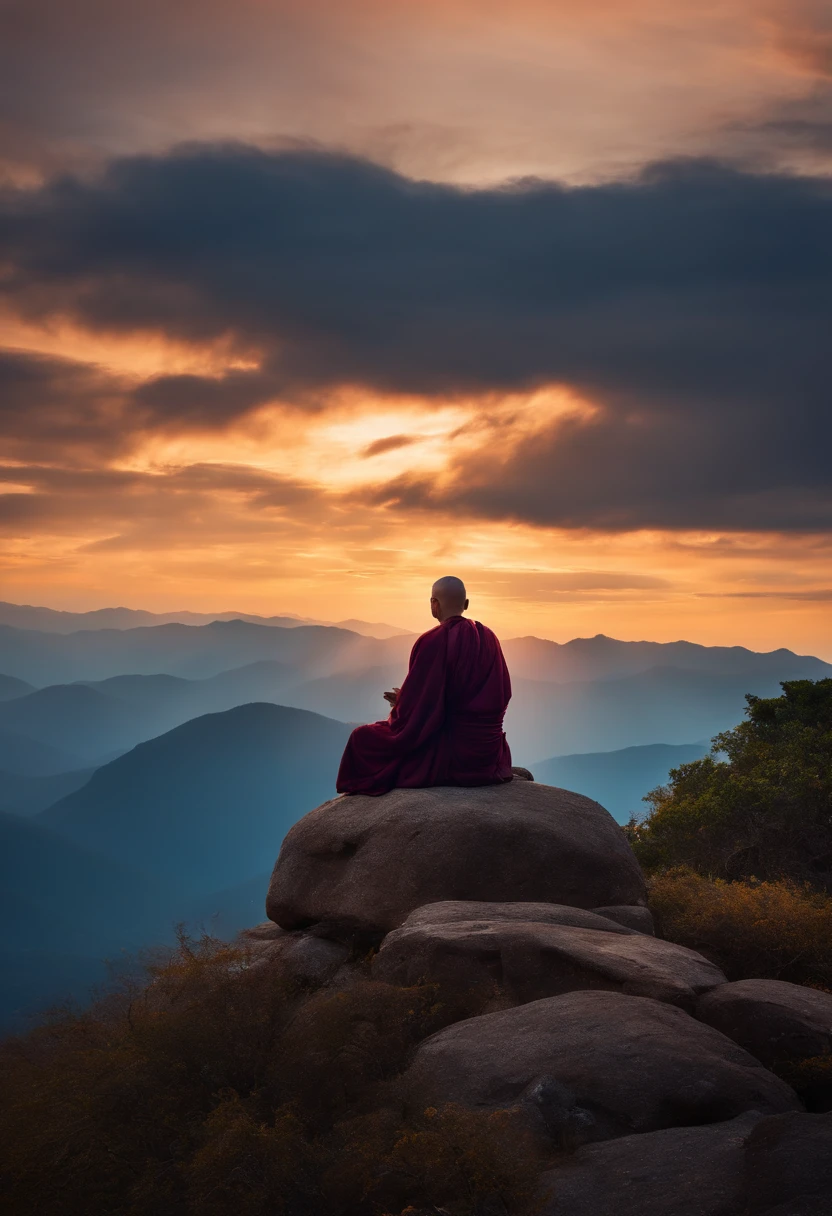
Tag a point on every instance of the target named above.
point(308, 506)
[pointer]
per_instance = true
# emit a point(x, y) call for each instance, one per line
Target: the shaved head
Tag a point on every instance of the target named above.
point(447, 597)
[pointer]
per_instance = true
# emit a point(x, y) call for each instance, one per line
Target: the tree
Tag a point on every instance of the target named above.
point(760, 805)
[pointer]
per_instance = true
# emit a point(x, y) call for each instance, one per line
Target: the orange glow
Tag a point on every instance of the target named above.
point(275, 512)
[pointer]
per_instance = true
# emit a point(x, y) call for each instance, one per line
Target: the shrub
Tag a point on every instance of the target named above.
point(765, 810)
point(215, 1087)
point(772, 930)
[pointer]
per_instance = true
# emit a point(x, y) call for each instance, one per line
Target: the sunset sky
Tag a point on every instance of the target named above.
point(305, 304)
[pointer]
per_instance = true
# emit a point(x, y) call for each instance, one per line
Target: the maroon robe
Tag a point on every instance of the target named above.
point(447, 725)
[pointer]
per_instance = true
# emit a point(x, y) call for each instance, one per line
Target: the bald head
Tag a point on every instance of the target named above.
point(447, 597)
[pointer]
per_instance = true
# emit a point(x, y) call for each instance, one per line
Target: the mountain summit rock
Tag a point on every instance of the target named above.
point(360, 864)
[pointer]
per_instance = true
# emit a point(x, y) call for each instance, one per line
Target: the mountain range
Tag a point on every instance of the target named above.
point(104, 691)
point(52, 620)
point(165, 760)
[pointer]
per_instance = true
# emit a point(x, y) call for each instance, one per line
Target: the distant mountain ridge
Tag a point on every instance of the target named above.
point(107, 690)
point(200, 651)
point(619, 779)
point(54, 620)
point(205, 805)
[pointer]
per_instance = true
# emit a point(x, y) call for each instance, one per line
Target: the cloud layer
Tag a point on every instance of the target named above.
point(686, 310)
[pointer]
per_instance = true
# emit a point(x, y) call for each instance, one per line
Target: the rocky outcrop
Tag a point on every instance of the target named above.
point(529, 898)
point(298, 958)
point(451, 911)
point(526, 960)
point(631, 916)
point(360, 865)
point(773, 1020)
point(686, 1171)
point(750, 1166)
point(788, 1166)
point(632, 1064)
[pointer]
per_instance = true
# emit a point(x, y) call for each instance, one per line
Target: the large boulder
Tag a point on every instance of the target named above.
point(775, 1021)
point(450, 911)
point(631, 1064)
point(631, 916)
point(360, 865)
point(750, 1166)
point(525, 961)
point(788, 1166)
point(296, 958)
point(680, 1171)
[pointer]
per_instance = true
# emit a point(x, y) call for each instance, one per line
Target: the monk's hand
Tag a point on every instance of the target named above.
point(392, 697)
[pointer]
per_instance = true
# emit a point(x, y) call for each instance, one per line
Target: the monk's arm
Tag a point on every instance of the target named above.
point(420, 706)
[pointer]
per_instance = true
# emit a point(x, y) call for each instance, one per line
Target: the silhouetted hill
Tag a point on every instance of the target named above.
point(74, 716)
point(29, 757)
point(11, 687)
point(618, 780)
point(26, 795)
point(352, 696)
point(58, 895)
point(112, 716)
point(207, 804)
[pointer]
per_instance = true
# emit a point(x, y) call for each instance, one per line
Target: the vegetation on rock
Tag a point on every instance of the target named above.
point(751, 930)
point(739, 844)
point(763, 811)
point(215, 1087)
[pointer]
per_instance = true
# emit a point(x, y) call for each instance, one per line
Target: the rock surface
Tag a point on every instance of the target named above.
point(448, 911)
point(360, 865)
point(788, 1165)
point(773, 1020)
point(631, 916)
point(634, 1064)
point(299, 958)
point(686, 1171)
point(526, 961)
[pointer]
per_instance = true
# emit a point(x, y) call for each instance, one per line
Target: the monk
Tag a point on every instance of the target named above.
point(446, 722)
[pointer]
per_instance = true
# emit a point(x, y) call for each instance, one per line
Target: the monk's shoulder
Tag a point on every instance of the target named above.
point(427, 640)
point(485, 632)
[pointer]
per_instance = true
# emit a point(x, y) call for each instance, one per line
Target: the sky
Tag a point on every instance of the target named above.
point(305, 305)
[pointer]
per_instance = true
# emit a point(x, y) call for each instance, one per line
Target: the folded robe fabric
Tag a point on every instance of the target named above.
point(447, 726)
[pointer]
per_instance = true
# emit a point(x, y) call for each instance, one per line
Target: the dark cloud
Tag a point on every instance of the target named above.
point(691, 305)
point(391, 443)
point(51, 406)
point(159, 509)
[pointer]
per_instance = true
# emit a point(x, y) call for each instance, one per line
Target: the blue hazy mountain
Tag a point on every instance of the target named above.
point(27, 795)
point(603, 658)
point(620, 779)
point(314, 652)
point(224, 913)
point(206, 805)
point(192, 651)
point(694, 692)
point(65, 910)
point(660, 705)
point(11, 687)
point(99, 719)
point(22, 756)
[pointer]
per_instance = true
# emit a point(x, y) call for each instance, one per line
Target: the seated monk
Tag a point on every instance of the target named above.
point(446, 722)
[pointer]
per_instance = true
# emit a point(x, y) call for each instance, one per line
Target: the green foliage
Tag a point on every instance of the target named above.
point(760, 805)
point(216, 1087)
point(752, 930)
